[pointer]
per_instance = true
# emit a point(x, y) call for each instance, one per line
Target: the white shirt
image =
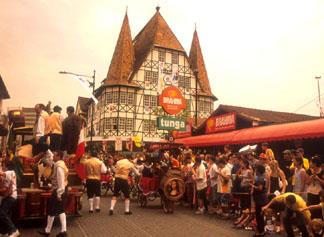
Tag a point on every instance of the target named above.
point(220, 180)
point(201, 177)
point(230, 166)
point(60, 182)
point(213, 175)
point(40, 128)
point(103, 167)
point(11, 176)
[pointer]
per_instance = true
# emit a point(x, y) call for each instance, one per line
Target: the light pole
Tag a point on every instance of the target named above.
point(196, 97)
point(92, 84)
point(319, 95)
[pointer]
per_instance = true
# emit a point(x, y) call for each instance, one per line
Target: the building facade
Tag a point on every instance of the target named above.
point(140, 70)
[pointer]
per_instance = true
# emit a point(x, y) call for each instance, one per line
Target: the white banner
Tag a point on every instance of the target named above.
point(160, 85)
point(84, 83)
point(118, 144)
point(175, 74)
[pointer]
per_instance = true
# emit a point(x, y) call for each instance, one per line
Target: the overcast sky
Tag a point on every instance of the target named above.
point(259, 54)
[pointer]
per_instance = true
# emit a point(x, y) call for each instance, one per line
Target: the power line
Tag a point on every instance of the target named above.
point(306, 103)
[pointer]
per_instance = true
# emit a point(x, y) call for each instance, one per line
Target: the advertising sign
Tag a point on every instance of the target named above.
point(182, 134)
point(172, 100)
point(221, 123)
point(171, 123)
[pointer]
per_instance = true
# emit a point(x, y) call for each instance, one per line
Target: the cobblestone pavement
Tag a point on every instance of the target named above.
point(149, 221)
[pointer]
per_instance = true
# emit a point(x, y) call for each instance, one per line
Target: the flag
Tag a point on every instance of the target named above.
point(84, 84)
point(79, 167)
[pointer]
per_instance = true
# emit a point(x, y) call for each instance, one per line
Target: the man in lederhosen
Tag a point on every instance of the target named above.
point(94, 167)
point(58, 197)
point(123, 168)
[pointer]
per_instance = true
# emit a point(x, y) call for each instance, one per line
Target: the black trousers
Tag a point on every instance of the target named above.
point(259, 218)
point(6, 224)
point(55, 143)
point(294, 218)
point(93, 188)
point(56, 207)
point(121, 185)
point(245, 199)
point(41, 146)
point(202, 195)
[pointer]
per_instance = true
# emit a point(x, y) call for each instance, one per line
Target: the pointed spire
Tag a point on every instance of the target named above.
point(155, 33)
point(197, 63)
point(123, 58)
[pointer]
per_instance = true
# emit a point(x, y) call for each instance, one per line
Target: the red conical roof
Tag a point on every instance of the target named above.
point(196, 61)
point(155, 33)
point(122, 61)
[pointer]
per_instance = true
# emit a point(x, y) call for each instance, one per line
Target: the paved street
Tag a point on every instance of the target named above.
point(150, 221)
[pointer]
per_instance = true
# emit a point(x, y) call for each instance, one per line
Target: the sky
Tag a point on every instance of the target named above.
point(258, 54)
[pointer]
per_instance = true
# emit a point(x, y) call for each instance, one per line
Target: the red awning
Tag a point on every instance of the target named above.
point(279, 132)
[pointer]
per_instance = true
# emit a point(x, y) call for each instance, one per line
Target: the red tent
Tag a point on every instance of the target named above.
point(279, 132)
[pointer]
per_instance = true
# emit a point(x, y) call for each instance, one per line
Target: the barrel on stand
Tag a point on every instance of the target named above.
point(172, 185)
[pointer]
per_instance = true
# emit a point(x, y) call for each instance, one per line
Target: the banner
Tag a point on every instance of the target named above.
point(175, 75)
point(118, 144)
point(129, 144)
point(161, 83)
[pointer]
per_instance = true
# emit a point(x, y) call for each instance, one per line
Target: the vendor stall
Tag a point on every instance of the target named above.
point(309, 133)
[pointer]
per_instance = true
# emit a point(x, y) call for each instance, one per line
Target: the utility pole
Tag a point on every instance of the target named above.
point(319, 96)
point(93, 84)
point(196, 97)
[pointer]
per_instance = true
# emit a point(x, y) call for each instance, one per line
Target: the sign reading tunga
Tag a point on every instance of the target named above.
point(171, 123)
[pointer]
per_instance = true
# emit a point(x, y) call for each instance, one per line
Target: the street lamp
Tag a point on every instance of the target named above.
point(196, 97)
point(92, 84)
point(319, 95)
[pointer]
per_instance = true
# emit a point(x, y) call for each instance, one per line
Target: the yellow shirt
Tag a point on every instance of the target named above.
point(93, 168)
point(300, 204)
point(55, 123)
point(305, 163)
point(123, 167)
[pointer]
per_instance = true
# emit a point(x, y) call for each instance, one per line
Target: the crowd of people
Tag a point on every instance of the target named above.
point(261, 191)
point(264, 192)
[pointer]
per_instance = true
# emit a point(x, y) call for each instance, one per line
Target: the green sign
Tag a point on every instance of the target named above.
point(171, 123)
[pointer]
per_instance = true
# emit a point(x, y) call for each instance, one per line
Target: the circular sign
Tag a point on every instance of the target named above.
point(172, 100)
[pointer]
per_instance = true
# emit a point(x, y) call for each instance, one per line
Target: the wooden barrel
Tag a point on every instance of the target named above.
point(172, 185)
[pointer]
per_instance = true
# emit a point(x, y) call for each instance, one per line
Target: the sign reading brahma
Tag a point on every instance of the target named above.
point(172, 100)
point(221, 123)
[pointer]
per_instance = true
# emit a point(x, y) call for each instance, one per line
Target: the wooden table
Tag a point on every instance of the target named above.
point(33, 203)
